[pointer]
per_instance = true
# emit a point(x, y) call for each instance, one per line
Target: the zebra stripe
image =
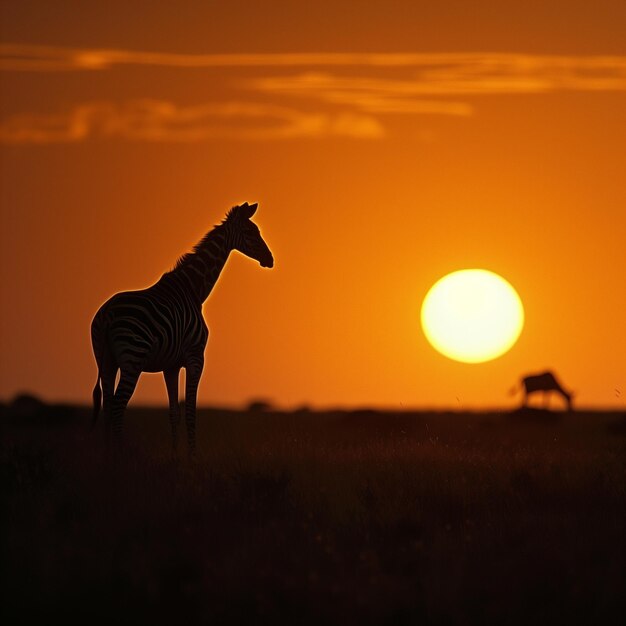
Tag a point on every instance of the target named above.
point(162, 329)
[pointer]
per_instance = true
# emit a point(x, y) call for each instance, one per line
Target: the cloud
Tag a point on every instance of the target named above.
point(158, 120)
point(27, 57)
point(438, 73)
point(367, 94)
point(439, 84)
point(512, 74)
point(344, 94)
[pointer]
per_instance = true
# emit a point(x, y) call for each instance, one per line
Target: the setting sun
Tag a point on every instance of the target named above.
point(472, 316)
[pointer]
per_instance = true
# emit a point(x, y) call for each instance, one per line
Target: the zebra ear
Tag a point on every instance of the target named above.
point(242, 212)
point(249, 209)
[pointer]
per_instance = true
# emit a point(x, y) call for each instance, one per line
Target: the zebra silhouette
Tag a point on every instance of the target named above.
point(544, 382)
point(161, 328)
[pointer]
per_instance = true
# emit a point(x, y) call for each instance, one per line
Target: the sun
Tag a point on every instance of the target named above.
point(472, 316)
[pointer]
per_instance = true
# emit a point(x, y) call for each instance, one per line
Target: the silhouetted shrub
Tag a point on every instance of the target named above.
point(259, 406)
point(27, 409)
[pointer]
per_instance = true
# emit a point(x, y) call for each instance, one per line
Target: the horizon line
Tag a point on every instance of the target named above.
point(352, 408)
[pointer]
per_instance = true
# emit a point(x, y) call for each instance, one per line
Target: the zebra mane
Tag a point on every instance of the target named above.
point(230, 217)
point(184, 258)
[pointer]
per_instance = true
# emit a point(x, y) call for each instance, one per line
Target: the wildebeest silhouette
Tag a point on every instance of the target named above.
point(544, 382)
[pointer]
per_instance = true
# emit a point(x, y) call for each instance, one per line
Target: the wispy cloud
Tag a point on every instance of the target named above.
point(367, 94)
point(473, 72)
point(157, 120)
point(455, 76)
point(26, 57)
point(406, 93)
point(344, 94)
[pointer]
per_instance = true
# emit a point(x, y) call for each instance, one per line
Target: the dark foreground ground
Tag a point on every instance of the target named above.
point(315, 518)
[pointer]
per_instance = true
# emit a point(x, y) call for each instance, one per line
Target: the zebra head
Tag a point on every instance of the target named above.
point(246, 236)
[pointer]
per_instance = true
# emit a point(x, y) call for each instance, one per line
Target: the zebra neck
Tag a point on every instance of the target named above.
point(202, 268)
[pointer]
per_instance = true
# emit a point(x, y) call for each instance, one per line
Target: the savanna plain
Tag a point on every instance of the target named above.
point(305, 517)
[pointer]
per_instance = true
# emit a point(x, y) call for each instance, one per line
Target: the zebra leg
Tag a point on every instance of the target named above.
point(193, 373)
point(109, 374)
point(171, 382)
point(123, 393)
point(108, 391)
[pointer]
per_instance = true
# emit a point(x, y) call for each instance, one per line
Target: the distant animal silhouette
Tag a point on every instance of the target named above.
point(544, 382)
point(161, 328)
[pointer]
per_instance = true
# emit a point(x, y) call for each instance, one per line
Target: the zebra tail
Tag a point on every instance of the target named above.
point(97, 402)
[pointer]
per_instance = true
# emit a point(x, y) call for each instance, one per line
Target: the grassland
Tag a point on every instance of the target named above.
point(316, 518)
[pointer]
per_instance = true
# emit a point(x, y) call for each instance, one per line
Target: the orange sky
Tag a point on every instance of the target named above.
point(386, 144)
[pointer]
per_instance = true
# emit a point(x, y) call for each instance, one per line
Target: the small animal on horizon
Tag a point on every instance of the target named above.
point(162, 329)
point(545, 383)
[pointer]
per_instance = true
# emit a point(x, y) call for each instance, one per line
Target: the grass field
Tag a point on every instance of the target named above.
point(316, 518)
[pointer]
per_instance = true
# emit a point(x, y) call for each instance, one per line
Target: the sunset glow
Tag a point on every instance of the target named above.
point(387, 144)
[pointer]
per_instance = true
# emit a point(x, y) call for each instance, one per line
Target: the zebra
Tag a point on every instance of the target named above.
point(544, 382)
point(162, 329)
